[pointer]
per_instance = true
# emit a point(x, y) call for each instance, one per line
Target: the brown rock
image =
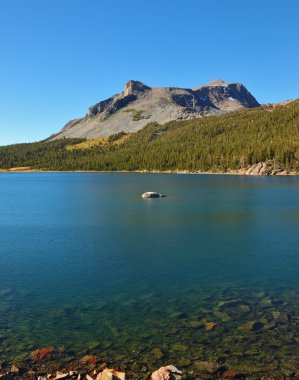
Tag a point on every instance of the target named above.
point(90, 359)
point(208, 367)
point(157, 353)
point(14, 369)
point(231, 374)
point(111, 374)
point(253, 326)
point(210, 326)
point(42, 354)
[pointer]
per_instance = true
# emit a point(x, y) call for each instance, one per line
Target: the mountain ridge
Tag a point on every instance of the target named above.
point(139, 104)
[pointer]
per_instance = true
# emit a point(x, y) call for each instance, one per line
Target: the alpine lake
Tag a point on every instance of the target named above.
point(209, 273)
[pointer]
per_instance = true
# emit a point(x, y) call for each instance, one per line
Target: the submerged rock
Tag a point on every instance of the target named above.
point(207, 367)
point(157, 353)
point(232, 374)
point(169, 372)
point(90, 359)
point(61, 376)
point(111, 374)
point(14, 369)
point(210, 326)
point(253, 325)
point(42, 354)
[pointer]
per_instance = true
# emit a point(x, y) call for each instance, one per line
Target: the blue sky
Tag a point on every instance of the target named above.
point(58, 57)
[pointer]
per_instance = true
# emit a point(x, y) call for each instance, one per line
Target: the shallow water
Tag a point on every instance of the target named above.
point(85, 263)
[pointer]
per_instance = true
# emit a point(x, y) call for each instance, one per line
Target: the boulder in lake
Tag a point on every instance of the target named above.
point(152, 194)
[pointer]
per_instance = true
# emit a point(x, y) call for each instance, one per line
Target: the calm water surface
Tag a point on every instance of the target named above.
point(85, 263)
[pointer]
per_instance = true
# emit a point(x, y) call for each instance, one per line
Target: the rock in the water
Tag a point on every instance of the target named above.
point(90, 359)
point(61, 376)
point(169, 372)
point(42, 353)
point(157, 353)
point(152, 194)
point(253, 325)
point(231, 374)
point(14, 369)
point(207, 367)
point(210, 326)
point(111, 374)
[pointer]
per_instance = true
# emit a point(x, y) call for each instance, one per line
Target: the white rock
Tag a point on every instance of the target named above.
point(152, 194)
point(61, 376)
point(169, 372)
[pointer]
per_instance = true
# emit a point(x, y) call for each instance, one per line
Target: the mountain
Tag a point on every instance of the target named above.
point(138, 104)
point(260, 141)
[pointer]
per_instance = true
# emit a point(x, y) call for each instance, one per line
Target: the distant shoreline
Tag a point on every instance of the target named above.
point(239, 172)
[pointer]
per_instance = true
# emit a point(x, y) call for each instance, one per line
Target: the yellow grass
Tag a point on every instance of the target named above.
point(99, 141)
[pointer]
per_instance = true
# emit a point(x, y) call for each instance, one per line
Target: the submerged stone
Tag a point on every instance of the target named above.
point(157, 353)
point(232, 374)
point(169, 372)
point(111, 374)
point(61, 376)
point(210, 326)
point(90, 359)
point(208, 367)
point(253, 326)
point(44, 353)
point(14, 369)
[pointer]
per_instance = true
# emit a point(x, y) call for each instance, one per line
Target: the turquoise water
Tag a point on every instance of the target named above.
point(86, 264)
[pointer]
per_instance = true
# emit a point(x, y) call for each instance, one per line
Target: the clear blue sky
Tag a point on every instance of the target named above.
point(58, 57)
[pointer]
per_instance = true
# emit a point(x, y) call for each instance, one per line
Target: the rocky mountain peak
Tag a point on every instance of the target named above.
point(134, 86)
point(216, 82)
point(138, 104)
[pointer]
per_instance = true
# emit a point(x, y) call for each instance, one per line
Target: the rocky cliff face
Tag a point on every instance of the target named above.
point(138, 104)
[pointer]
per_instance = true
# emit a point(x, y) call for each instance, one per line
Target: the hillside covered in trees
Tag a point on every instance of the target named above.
point(215, 143)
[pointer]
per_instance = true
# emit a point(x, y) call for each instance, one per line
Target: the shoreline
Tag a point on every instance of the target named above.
point(47, 363)
point(239, 172)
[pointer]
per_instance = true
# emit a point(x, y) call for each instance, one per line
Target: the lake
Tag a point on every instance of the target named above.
point(211, 272)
